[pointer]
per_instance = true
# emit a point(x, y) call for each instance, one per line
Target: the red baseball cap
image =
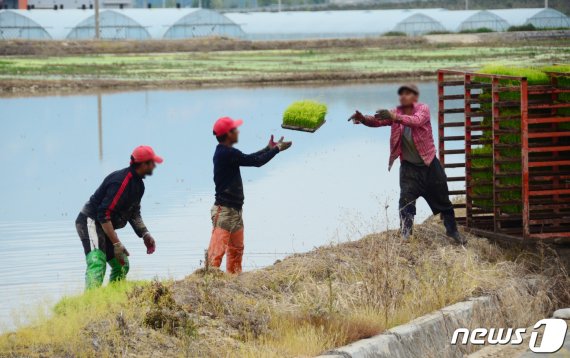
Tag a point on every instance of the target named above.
point(144, 153)
point(225, 124)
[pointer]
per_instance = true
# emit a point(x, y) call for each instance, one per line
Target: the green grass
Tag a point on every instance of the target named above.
point(71, 316)
point(476, 31)
point(527, 27)
point(305, 114)
point(395, 33)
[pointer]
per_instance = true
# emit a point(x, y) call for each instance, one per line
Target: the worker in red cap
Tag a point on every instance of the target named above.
point(114, 203)
point(227, 233)
point(421, 173)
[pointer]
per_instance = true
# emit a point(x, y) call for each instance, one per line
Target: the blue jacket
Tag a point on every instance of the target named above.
point(227, 175)
point(118, 200)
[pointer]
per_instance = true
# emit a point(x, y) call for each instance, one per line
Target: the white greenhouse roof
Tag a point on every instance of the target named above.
point(291, 25)
point(458, 20)
point(60, 23)
point(57, 23)
point(156, 21)
point(517, 17)
point(316, 24)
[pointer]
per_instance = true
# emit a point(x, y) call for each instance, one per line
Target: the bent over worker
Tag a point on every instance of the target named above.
point(421, 173)
point(227, 232)
point(114, 203)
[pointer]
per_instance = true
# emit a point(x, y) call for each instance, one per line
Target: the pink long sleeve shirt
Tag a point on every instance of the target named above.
point(419, 122)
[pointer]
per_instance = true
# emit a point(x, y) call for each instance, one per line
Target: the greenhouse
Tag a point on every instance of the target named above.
point(39, 25)
point(540, 17)
point(175, 23)
point(465, 20)
point(113, 25)
point(141, 24)
point(128, 24)
point(418, 24)
point(298, 25)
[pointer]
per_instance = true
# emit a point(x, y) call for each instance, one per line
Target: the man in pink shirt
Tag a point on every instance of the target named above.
point(421, 173)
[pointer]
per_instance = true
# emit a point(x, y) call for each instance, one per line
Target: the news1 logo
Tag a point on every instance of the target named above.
point(552, 339)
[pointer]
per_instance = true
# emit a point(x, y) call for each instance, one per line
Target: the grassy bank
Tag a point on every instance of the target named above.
point(302, 306)
point(190, 69)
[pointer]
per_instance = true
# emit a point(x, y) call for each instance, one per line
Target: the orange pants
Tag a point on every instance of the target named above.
point(227, 238)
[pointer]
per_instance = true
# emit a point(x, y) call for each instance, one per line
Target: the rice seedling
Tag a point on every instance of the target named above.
point(304, 115)
point(535, 76)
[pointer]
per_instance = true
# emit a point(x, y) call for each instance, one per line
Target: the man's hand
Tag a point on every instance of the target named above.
point(272, 143)
point(357, 118)
point(383, 115)
point(281, 145)
point(120, 252)
point(149, 243)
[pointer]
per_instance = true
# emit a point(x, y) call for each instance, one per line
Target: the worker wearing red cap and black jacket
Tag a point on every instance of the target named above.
point(227, 232)
point(114, 203)
point(421, 173)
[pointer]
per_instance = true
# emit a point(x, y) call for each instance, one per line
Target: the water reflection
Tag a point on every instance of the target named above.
point(331, 185)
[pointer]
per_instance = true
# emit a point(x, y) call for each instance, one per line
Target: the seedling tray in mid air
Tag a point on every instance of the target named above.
point(303, 129)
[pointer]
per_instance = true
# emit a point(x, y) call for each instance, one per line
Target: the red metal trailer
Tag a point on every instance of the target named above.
point(513, 139)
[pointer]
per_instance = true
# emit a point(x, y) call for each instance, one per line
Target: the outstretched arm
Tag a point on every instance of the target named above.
point(369, 121)
point(256, 159)
point(417, 119)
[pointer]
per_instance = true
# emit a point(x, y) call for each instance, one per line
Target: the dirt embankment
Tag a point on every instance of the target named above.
point(29, 87)
point(303, 305)
point(68, 48)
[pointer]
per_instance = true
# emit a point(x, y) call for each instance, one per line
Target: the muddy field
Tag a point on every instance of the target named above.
point(67, 67)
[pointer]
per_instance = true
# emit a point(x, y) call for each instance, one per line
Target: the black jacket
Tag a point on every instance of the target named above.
point(118, 199)
point(227, 175)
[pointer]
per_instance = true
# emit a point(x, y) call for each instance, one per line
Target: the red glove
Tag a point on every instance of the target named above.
point(149, 243)
point(272, 144)
point(357, 117)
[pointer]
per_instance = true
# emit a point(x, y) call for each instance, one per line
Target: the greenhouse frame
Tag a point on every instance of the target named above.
point(465, 20)
point(332, 24)
point(539, 17)
point(171, 23)
point(39, 25)
point(115, 24)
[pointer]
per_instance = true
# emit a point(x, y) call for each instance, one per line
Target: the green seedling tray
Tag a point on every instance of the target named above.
point(302, 129)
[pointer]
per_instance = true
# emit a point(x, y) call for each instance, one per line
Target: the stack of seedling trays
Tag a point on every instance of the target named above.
point(517, 149)
point(306, 116)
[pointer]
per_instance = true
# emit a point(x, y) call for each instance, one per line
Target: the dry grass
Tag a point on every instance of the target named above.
point(308, 303)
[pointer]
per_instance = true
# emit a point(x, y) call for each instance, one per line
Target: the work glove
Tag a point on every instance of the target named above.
point(357, 118)
point(149, 243)
point(384, 115)
point(281, 145)
point(272, 143)
point(120, 252)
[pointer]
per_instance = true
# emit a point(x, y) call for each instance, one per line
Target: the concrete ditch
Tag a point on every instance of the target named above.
point(426, 336)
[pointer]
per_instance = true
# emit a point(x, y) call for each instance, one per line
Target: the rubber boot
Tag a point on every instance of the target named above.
point(406, 224)
point(118, 272)
point(218, 246)
point(234, 253)
point(96, 266)
point(451, 227)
